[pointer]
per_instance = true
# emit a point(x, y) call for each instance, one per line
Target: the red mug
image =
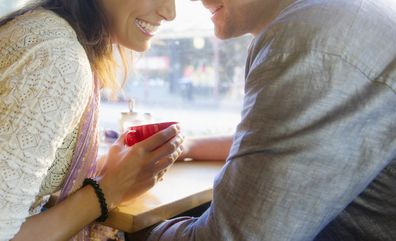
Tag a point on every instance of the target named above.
point(138, 133)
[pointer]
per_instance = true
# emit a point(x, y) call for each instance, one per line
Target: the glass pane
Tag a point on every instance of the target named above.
point(6, 6)
point(187, 76)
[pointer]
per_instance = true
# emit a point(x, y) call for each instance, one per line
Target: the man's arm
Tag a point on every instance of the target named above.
point(212, 148)
point(308, 144)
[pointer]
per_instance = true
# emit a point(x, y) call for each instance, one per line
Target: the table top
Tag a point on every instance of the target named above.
point(186, 185)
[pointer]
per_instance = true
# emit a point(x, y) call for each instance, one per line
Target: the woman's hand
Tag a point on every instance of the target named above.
point(130, 171)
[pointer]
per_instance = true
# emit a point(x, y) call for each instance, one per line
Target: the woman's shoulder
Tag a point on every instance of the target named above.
point(32, 29)
point(38, 25)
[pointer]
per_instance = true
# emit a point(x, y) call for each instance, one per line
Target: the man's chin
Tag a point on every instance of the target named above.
point(222, 35)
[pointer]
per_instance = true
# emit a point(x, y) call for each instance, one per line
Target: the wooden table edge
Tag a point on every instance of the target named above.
point(124, 222)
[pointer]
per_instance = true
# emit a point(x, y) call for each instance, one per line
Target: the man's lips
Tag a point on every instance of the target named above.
point(215, 10)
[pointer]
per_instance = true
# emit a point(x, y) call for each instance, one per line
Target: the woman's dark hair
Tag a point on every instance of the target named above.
point(89, 21)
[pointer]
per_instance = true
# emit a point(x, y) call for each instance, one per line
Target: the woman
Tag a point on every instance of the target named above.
point(55, 57)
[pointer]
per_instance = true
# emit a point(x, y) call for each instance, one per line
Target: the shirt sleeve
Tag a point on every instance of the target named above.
point(43, 97)
point(315, 132)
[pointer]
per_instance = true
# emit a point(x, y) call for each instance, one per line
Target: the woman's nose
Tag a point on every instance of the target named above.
point(167, 10)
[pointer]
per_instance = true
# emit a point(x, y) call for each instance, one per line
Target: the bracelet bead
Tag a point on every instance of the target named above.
point(101, 198)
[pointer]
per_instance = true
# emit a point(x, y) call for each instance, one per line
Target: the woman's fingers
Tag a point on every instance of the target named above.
point(120, 139)
point(135, 169)
point(168, 148)
point(140, 151)
point(178, 152)
point(159, 167)
point(162, 165)
point(161, 175)
point(116, 148)
point(161, 137)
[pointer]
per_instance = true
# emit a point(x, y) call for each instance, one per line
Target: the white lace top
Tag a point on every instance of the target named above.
point(45, 83)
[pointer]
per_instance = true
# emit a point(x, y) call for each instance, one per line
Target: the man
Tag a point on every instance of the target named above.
point(314, 157)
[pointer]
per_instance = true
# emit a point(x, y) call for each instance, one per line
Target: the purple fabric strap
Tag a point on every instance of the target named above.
point(83, 163)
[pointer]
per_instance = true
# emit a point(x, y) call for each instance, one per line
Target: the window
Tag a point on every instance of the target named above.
point(7, 6)
point(188, 76)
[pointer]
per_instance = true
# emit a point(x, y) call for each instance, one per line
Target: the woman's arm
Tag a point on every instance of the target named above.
point(46, 94)
point(64, 220)
point(214, 148)
point(130, 172)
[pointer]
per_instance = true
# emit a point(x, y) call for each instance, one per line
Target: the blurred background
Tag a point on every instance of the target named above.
point(187, 76)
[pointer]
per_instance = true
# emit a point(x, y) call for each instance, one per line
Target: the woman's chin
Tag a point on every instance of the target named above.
point(140, 47)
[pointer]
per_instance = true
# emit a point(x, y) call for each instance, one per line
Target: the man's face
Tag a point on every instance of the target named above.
point(233, 18)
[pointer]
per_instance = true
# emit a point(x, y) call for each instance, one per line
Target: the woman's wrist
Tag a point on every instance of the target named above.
point(104, 211)
point(109, 193)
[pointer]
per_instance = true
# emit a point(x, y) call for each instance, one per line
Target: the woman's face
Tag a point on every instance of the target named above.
point(134, 22)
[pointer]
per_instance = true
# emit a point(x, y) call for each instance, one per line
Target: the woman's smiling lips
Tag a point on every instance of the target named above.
point(146, 27)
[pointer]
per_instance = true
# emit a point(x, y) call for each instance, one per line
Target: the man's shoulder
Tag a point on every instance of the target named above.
point(335, 27)
point(325, 23)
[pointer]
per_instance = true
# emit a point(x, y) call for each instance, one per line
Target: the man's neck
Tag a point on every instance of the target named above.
point(280, 6)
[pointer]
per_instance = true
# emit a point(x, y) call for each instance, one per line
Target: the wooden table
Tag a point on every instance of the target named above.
point(185, 186)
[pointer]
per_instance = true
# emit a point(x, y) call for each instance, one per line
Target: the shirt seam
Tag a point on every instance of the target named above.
point(375, 77)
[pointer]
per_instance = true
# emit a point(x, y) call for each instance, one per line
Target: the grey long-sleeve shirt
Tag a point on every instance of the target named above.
point(314, 156)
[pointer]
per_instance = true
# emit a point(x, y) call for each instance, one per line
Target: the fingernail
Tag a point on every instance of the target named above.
point(177, 127)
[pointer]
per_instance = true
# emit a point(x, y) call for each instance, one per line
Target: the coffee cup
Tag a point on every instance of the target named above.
point(138, 133)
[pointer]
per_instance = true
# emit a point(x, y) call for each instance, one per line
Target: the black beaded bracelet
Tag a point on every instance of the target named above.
point(102, 201)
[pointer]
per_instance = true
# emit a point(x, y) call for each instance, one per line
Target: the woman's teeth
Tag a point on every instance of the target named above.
point(147, 28)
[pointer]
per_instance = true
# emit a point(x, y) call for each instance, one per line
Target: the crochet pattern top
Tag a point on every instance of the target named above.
point(45, 84)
